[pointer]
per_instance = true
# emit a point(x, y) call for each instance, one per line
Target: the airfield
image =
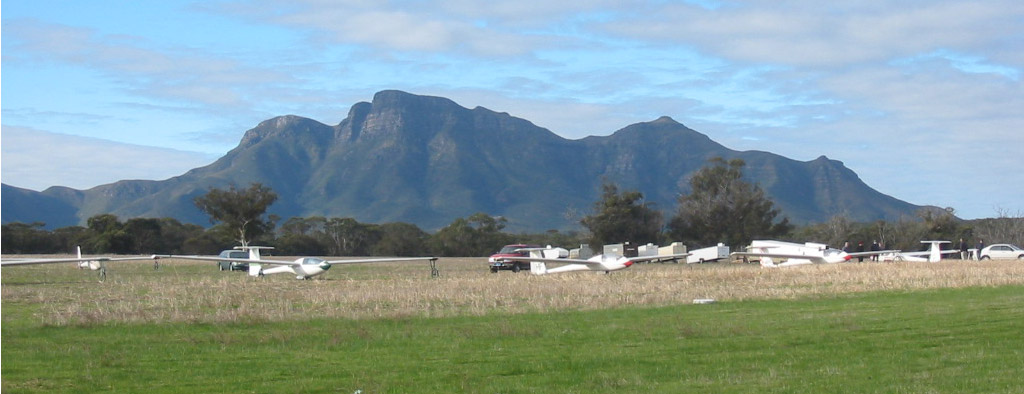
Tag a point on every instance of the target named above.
point(952, 326)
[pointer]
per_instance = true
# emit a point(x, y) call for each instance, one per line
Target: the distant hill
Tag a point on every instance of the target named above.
point(426, 160)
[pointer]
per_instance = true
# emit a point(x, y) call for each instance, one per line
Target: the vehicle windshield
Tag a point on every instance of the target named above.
point(511, 249)
point(234, 254)
point(312, 261)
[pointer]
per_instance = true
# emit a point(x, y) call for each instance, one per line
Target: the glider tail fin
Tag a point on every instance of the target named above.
point(935, 253)
point(90, 264)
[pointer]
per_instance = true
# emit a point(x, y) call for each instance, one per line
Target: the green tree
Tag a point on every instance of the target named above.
point(311, 226)
point(478, 235)
point(834, 232)
point(107, 235)
point(239, 209)
point(65, 239)
point(943, 224)
point(174, 235)
point(348, 237)
point(206, 242)
point(25, 238)
point(400, 239)
point(722, 207)
point(303, 236)
point(623, 217)
point(145, 235)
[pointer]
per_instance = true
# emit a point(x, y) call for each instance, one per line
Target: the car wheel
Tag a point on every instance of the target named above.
point(986, 258)
point(515, 268)
point(494, 270)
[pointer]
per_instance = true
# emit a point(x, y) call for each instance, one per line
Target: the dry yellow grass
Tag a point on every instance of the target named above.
point(183, 291)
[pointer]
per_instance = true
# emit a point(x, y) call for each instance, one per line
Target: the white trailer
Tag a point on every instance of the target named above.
point(708, 254)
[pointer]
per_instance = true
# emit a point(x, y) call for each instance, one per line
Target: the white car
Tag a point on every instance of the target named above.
point(1002, 251)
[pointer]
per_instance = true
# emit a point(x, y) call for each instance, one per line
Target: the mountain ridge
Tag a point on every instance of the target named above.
point(427, 161)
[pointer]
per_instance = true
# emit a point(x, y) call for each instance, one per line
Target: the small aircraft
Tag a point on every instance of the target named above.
point(799, 254)
point(93, 263)
point(540, 257)
point(303, 267)
point(934, 253)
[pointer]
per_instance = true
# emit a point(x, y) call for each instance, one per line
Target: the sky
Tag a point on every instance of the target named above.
point(922, 99)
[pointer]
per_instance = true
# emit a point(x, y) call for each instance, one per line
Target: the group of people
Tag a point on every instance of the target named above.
point(965, 252)
point(875, 247)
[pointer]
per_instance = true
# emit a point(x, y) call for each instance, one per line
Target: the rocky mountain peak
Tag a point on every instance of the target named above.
point(279, 126)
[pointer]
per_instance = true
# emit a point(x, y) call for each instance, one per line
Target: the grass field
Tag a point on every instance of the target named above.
point(391, 328)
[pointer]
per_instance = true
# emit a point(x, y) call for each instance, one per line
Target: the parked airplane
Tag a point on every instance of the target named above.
point(799, 254)
point(607, 262)
point(934, 253)
point(302, 268)
point(93, 263)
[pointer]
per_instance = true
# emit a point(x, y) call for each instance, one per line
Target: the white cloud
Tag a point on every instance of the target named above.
point(417, 27)
point(181, 74)
point(816, 34)
point(36, 159)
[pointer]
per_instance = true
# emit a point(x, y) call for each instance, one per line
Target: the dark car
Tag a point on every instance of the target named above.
point(233, 265)
point(510, 251)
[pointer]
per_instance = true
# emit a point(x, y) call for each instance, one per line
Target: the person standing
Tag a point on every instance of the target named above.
point(979, 246)
point(860, 249)
point(963, 249)
point(875, 248)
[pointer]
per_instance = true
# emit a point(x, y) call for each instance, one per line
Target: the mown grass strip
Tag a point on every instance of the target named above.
point(949, 340)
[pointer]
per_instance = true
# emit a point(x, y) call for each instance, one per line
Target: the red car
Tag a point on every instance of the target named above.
point(510, 251)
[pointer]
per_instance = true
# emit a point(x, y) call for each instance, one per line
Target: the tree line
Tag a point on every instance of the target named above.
point(476, 235)
point(721, 208)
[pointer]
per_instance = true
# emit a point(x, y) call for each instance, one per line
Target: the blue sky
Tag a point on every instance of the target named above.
point(922, 99)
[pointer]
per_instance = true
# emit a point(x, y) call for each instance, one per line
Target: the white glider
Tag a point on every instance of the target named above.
point(603, 262)
point(932, 255)
point(302, 268)
point(799, 254)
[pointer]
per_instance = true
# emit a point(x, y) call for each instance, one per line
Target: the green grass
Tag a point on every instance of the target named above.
point(934, 341)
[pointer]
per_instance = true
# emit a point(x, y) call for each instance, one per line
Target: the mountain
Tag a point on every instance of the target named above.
point(426, 160)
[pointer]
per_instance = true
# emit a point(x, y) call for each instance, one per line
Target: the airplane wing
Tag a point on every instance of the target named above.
point(775, 255)
point(378, 260)
point(69, 260)
point(217, 258)
point(856, 254)
point(546, 260)
point(926, 252)
point(580, 261)
point(660, 257)
point(816, 259)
